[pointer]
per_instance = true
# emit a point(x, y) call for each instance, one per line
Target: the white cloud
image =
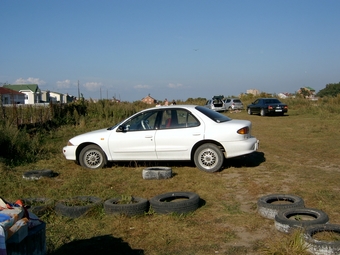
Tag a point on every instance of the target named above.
point(140, 86)
point(64, 84)
point(175, 86)
point(30, 80)
point(92, 86)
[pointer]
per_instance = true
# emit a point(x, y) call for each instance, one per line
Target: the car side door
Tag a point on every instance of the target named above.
point(175, 141)
point(256, 106)
point(135, 138)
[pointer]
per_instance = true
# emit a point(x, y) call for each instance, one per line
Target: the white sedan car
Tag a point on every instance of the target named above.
point(167, 133)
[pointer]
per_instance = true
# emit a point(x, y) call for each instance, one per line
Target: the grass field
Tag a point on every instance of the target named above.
point(298, 154)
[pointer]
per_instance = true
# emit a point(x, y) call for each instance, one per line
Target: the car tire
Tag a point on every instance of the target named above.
point(63, 208)
point(39, 206)
point(285, 223)
point(320, 247)
point(267, 207)
point(175, 202)
point(249, 111)
point(209, 157)
point(158, 172)
point(138, 207)
point(262, 112)
point(92, 157)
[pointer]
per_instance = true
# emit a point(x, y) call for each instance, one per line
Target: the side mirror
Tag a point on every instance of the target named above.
point(121, 128)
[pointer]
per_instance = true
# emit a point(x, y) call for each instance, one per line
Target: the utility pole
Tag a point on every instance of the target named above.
point(78, 91)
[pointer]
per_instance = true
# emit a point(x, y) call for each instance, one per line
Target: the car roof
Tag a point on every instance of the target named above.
point(184, 106)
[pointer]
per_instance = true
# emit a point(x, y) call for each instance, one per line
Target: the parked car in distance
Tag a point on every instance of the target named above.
point(216, 104)
point(266, 106)
point(233, 104)
point(177, 132)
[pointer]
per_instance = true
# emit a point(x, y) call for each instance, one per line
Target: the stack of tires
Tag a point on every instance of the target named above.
point(289, 213)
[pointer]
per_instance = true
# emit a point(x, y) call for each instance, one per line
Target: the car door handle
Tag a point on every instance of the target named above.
point(148, 136)
point(198, 134)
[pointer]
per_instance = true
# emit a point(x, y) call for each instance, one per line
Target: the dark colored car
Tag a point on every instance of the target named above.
point(266, 106)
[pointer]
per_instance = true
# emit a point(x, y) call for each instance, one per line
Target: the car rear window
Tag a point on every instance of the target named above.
point(237, 101)
point(215, 116)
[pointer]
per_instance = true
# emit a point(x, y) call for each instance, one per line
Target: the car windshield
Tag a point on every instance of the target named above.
point(215, 116)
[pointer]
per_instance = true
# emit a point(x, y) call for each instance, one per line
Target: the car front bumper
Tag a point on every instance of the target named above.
point(70, 152)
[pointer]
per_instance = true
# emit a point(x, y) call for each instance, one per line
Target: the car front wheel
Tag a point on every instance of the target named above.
point(92, 157)
point(249, 111)
point(209, 158)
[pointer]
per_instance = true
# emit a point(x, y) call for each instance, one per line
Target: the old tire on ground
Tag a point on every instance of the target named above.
point(64, 207)
point(249, 111)
point(138, 207)
point(209, 157)
point(175, 202)
point(320, 247)
point(37, 174)
point(292, 218)
point(93, 157)
point(269, 205)
point(157, 172)
point(39, 205)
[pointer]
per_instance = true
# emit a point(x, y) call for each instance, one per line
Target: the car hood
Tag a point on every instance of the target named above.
point(94, 136)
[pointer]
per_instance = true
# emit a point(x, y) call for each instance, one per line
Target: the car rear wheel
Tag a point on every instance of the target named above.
point(263, 113)
point(92, 157)
point(249, 111)
point(209, 158)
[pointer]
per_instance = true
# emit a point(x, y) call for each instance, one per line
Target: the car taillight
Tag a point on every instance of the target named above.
point(243, 131)
point(69, 143)
point(270, 107)
point(286, 107)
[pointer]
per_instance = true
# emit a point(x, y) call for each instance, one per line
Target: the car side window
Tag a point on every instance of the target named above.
point(178, 118)
point(143, 121)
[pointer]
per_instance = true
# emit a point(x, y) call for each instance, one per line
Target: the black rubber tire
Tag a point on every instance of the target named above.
point(39, 205)
point(93, 157)
point(62, 208)
point(262, 112)
point(140, 207)
point(37, 174)
point(284, 223)
point(267, 209)
point(166, 203)
point(249, 111)
point(209, 158)
point(319, 247)
point(157, 172)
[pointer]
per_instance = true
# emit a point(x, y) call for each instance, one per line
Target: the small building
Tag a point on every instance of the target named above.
point(56, 97)
point(254, 92)
point(149, 100)
point(10, 96)
point(31, 91)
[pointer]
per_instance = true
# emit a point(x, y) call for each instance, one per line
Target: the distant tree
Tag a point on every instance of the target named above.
point(305, 92)
point(332, 90)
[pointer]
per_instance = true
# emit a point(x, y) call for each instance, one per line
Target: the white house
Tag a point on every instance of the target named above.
point(56, 97)
point(31, 91)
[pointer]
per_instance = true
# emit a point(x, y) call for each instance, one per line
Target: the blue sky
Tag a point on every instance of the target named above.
point(174, 49)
